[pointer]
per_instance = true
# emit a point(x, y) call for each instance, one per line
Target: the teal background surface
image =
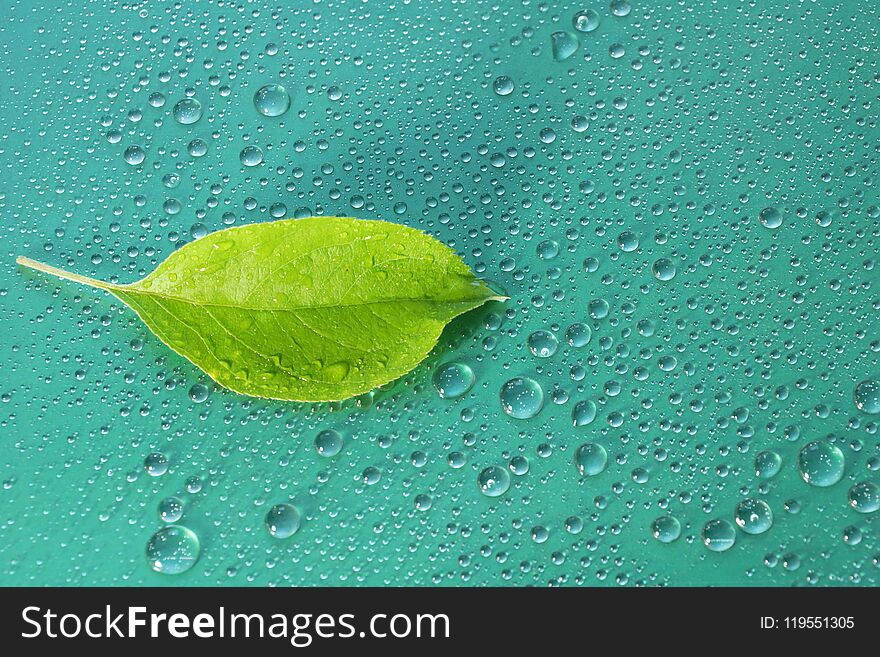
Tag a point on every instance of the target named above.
point(663, 136)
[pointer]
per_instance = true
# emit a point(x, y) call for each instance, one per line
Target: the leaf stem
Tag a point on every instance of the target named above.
point(60, 273)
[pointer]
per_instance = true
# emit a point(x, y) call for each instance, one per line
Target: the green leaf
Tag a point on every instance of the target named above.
point(317, 309)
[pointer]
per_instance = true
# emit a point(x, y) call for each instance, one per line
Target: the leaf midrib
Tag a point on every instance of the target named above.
point(130, 289)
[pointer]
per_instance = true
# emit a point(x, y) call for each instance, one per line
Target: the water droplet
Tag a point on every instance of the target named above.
point(583, 413)
point(156, 464)
point(666, 529)
point(171, 509)
point(598, 309)
point(620, 8)
point(283, 520)
point(199, 393)
point(423, 502)
point(718, 535)
point(134, 155)
point(867, 396)
point(328, 443)
point(548, 249)
point(187, 111)
point(852, 535)
point(494, 481)
point(371, 476)
point(543, 344)
point(547, 135)
point(197, 148)
point(251, 156)
point(519, 465)
point(578, 334)
point(272, 100)
point(591, 459)
point(586, 21)
point(767, 464)
point(628, 241)
point(770, 217)
point(821, 463)
point(663, 269)
point(753, 516)
point(522, 398)
point(503, 85)
point(564, 45)
point(173, 550)
point(864, 497)
point(452, 380)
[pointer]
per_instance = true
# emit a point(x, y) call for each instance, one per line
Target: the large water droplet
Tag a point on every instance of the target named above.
point(770, 217)
point(199, 393)
point(543, 344)
point(328, 443)
point(564, 45)
point(591, 459)
point(173, 550)
point(156, 464)
point(171, 509)
point(522, 398)
point(134, 155)
point(503, 85)
point(578, 334)
point(864, 497)
point(283, 520)
point(494, 481)
point(272, 100)
point(251, 156)
point(821, 463)
point(718, 535)
point(583, 413)
point(187, 111)
point(867, 396)
point(767, 464)
point(663, 269)
point(452, 380)
point(753, 516)
point(666, 529)
point(586, 21)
